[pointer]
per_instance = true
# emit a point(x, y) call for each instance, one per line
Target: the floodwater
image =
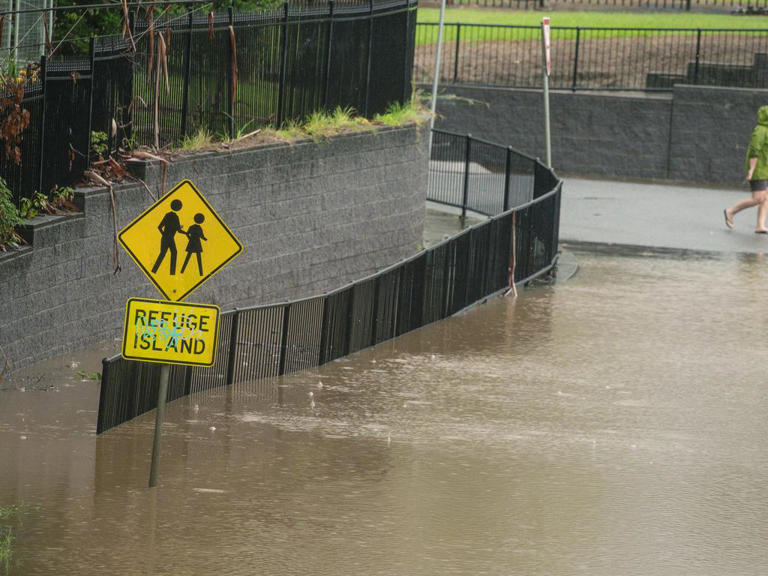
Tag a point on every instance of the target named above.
point(614, 424)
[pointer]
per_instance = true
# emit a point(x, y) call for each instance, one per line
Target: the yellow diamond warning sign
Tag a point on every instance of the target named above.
point(168, 332)
point(179, 242)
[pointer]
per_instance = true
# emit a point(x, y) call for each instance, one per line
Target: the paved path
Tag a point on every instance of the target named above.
point(656, 216)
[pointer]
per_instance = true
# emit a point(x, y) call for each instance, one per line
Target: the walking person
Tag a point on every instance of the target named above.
point(168, 228)
point(757, 175)
point(195, 234)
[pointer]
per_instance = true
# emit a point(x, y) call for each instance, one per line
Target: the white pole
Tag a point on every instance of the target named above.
point(545, 61)
point(437, 72)
point(16, 16)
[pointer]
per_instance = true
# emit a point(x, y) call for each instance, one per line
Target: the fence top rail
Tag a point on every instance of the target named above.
point(597, 28)
point(488, 143)
point(541, 198)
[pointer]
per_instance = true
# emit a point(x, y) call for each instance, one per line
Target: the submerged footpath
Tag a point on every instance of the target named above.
point(656, 216)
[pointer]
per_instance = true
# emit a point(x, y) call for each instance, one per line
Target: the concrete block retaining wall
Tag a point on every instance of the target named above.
point(697, 134)
point(312, 216)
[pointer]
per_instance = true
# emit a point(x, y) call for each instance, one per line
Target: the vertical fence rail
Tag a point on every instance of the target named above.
point(518, 193)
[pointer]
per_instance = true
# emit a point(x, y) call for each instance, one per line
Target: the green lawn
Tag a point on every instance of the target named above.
point(597, 19)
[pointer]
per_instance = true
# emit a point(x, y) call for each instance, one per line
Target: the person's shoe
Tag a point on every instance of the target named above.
point(761, 231)
point(728, 219)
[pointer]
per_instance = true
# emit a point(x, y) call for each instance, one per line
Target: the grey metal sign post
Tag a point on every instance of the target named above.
point(546, 65)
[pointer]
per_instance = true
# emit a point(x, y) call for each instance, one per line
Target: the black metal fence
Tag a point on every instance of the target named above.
point(594, 58)
point(742, 6)
point(230, 76)
point(519, 240)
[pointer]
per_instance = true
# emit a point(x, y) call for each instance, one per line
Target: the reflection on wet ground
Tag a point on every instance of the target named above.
point(609, 425)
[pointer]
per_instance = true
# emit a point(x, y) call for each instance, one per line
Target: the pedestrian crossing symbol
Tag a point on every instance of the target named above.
point(179, 242)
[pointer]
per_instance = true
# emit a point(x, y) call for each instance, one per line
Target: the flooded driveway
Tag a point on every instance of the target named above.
point(613, 424)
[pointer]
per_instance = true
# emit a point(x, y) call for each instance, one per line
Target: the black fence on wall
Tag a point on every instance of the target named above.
point(243, 72)
point(587, 58)
point(745, 6)
point(520, 194)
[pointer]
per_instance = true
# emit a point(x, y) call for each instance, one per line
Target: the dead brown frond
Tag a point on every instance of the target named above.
point(167, 29)
point(163, 58)
point(97, 178)
point(127, 25)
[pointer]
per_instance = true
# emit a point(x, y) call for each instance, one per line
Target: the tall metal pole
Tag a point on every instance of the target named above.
point(545, 61)
point(437, 72)
point(162, 395)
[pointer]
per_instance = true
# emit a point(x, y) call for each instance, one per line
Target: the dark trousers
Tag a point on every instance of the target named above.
point(165, 245)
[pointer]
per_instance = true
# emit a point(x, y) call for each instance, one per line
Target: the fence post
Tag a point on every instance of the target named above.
point(41, 137)
point(187, 71)
point(456, 53)
point(283, 64)
point(468, 149)
point(375, 312)
point(468, 268)
point(445, 305)
point(188, 380)
point(323, 333)
point(92, 54)
point(350, 321)
point(284, 339)
point(329, 49)
point(406, 58)
point(370, 50)
point(232, 348)
point(231, 76)
point(698, 56)
point(688, 5)
point(576, 59)
point(507, 170)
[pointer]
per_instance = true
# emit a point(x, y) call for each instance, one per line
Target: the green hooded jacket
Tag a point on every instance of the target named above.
point(758, 146)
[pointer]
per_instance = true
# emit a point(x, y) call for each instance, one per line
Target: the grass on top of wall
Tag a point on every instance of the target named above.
point(686, 20)
point(316, 126)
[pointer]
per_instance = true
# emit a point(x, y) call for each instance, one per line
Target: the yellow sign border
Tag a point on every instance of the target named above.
point(152, 207)
point(187, 304)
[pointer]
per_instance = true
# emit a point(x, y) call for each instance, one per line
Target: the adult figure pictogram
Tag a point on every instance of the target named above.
point(195, 234)
point(168, 228)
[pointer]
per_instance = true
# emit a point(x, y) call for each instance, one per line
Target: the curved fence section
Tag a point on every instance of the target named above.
point(516, 243)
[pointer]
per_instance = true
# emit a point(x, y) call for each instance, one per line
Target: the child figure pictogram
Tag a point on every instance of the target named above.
point(195, 234)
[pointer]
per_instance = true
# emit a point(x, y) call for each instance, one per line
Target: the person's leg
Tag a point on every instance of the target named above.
point(163, 250)
point(183, 266)
point(200, 263)
point(742, 205)
point(172, 248)
point(762, 211)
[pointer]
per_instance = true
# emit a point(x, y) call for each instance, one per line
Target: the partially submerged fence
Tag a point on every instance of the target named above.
point(587, 58)
point(227, 76)
point(519, 242)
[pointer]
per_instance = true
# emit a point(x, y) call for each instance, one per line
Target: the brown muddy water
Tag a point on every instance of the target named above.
point(614, 424)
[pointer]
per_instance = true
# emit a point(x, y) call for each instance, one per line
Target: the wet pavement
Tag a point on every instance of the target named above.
point(612, 424)
point(656, 216)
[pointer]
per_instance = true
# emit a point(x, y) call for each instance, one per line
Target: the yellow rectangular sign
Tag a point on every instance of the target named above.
point(169, 332)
